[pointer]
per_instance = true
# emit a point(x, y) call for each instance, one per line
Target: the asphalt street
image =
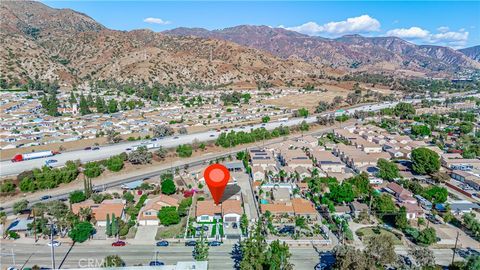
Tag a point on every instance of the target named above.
point(91, 255)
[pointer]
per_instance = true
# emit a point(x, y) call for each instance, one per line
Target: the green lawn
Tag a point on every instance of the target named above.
point(369, 231)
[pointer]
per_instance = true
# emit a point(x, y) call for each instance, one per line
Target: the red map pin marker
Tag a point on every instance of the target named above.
point(216, 176)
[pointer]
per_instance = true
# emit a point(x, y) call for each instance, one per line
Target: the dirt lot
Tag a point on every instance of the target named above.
point(310, 100)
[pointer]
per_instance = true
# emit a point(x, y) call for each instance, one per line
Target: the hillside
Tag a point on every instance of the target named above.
point(51, 44)
point(472, 52)
point(351, 53)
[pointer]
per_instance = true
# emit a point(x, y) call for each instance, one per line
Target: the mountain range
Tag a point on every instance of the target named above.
point(44, 43)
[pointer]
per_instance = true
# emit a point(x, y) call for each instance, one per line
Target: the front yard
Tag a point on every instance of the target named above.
point(365, 233)
point(172, 231)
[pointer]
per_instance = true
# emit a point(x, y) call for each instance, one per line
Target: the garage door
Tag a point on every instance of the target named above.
point(230, 219)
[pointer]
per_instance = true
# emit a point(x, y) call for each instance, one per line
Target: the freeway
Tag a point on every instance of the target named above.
point(90, 254)
point(8, 168)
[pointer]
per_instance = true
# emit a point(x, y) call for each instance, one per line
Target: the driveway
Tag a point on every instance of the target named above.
point(145, 235)
point(249, 206)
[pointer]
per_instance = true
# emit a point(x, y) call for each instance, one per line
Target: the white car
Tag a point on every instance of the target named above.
point(54, 243)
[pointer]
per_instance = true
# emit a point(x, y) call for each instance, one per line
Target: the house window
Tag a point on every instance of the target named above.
point(204, 218)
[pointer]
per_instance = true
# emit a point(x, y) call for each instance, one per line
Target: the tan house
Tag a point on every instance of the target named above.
point(102, 210)
point(149, 213)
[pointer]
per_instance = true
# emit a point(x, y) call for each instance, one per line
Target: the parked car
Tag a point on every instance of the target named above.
point(191, 243)
point(204, 227)
point(118, 244)
point(46, 197)
point(54, 243)
point(96, 148)
point(156, 263)
point(162, 244)
point(214, 243)
point(87, 148)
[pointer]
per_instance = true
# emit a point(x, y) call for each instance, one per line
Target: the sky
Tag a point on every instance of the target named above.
point(447, 23)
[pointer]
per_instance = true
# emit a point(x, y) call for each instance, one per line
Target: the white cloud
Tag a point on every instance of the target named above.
point(360, 24)
point(409, 33)
point(156, 21)
point(444, 37)
point(443, 29)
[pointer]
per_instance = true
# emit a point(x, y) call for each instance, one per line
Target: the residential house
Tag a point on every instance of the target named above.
point(102, 210)
point(304, 208)
point(232, 211)
point(472, 178)
point(402, 195)
point(149, 213)
point(207, 211)
point(357, 207)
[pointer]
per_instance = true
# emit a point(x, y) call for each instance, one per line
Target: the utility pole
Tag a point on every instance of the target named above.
point(455, 248)
point(52, 247)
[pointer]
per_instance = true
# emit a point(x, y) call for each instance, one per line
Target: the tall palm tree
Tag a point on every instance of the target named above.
point(85, 213)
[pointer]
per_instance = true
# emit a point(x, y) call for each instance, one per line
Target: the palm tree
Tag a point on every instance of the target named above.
point(85, 213)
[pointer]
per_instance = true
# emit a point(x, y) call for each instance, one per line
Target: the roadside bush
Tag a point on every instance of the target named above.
point(7, 186)
point(115, 163)
point(184, 150)
point(92, 169)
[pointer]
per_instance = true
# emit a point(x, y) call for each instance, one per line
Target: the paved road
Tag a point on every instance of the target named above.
point(82, 255)
point(91, 254)
point(8, 168)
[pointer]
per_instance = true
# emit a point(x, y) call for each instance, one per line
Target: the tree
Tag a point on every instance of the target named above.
point(349, 258)
point(422, 255)
point(115, 163)
point(200, 251)
point(162, 131)
point(7, 186)
point(161, 153)
point(427, 236)
point(72, 100)
point(465, 127)
point(92, 169)
point(425, 161)
point(322, 106)
point(401, 221)
point(421, 130)
point(404, 110)
point(381, 248)
point(278, 255)
point(384, 205)
point(436, 194)
point(184, 150)
point(20, 206)
point(183, 206)
point(304, 126)
point(140, 156)
point(112, 106)
point(341, 193)
point(128, 196)
point(100, 105)
point(387, 170)
point(108, 228)
point(266, 119)
point(81, 231)
point(302, 112)
point(84, 108)
point(473, 263)
point(168, 215)
point(77, 196)
point(85, 213)
point(113, 261)
point(115, 225)
point(113, 136)
point(244, 224)
point(168, 187)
